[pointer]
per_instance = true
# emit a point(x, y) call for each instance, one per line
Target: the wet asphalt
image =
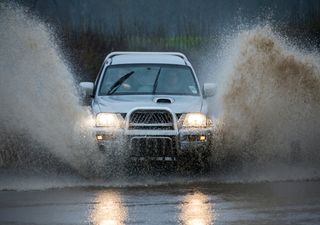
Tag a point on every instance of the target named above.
point(191, 204)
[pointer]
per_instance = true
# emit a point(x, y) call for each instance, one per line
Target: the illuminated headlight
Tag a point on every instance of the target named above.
point(110, 120)
point(196, 120)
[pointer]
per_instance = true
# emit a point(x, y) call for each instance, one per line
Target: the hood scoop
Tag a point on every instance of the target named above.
point(163, 100)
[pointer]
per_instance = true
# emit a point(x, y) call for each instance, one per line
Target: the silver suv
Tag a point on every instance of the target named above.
point(153, 103)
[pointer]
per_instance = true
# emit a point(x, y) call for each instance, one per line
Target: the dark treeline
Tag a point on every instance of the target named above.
point(87, 49)
point(88, 30)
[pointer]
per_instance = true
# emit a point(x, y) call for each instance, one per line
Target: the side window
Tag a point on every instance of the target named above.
point(97, 79)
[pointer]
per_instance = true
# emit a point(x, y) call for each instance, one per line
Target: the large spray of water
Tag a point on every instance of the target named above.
point(39, 103)
point(270, 102)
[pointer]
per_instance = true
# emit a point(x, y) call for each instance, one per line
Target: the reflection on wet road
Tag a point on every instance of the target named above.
point(196, 210)
point(109, 209)
point(197, 204)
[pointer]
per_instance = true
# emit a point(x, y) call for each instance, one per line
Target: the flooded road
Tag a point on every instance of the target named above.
point(192, 204)
point(267, 132)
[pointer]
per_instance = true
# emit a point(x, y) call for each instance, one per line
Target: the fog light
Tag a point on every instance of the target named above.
point(99, 137)
point(192, 138)
point(203, 138)
point(105, 137)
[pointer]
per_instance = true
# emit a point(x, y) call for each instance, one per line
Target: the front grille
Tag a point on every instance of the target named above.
point(146, 127)
point(151, 120)
point(153, 147)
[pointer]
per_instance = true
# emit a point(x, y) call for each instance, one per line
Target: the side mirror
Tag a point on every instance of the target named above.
point(86, 91)
point(209, 89)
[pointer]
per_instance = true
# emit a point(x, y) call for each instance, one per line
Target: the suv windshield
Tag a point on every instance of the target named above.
point(148, 79)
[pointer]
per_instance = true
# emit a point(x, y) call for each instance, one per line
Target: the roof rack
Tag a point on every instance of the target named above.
point(112, 54)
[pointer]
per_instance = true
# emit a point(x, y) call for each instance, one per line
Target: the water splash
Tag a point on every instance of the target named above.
point(270, 102)
point(40, 110)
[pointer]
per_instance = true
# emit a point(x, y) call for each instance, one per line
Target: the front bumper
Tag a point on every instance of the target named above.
point(159, 145)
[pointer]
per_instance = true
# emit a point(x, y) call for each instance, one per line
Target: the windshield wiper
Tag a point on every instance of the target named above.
point(118, 83)
point(156, 82)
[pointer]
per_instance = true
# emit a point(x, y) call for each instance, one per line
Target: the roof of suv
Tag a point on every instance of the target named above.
point(174, 58)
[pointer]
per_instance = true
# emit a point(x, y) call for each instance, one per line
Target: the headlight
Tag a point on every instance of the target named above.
point(196, 120)
point(110, 120)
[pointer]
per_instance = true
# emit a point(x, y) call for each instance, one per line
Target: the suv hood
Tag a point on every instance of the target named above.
point(124, 103)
